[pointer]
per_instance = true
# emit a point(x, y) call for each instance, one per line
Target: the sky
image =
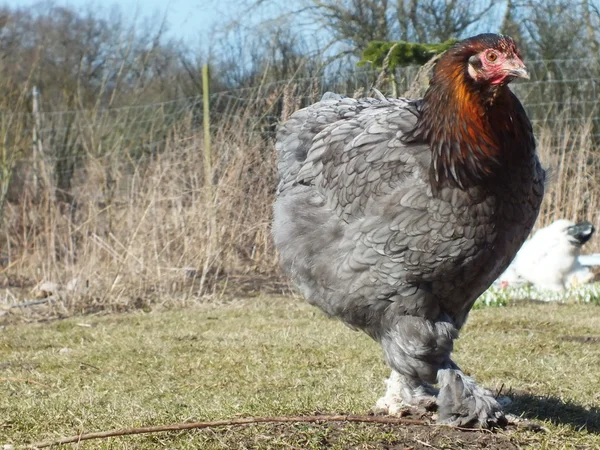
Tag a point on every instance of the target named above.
point(193, 20)
point(187, 19)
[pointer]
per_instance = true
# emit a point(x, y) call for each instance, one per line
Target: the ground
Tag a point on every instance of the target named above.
point(271, 356)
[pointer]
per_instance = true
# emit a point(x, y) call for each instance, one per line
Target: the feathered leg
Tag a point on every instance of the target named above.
point(415, 348)
point(418, 350)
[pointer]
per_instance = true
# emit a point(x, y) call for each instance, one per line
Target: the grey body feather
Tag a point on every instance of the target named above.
point(366, 239)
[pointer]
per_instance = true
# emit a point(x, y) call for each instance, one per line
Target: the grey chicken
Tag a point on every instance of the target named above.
point(394, 215)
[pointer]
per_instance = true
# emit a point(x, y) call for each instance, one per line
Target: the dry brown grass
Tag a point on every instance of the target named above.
point(152, 230)
point(137, 226)
point(573, 190)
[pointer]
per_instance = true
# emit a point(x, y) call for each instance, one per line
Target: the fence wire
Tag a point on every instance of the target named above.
point(561, 94)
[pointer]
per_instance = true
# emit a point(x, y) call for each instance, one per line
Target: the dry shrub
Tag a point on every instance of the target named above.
point(570, 152)
point(144, 228)
point(159, 233)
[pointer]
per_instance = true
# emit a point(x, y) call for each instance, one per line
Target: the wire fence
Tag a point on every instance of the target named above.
point(133, 197)
point(560, 95)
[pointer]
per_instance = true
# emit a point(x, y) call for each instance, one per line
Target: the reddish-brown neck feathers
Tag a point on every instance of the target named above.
point(474, 130)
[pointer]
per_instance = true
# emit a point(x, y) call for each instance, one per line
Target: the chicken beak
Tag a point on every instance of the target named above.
point(520, 72)
point(517, 69)
point(581, 232)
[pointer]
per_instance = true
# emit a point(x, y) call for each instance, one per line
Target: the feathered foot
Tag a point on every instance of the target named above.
point(463, 403)
point(404, 393)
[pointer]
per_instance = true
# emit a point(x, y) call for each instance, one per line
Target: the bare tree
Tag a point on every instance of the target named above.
point(553, 28)
point(89, 59)
point(356, 22)
point(247, 58)
point(439, 20)
point(351, 25)
point(591, 13)
point(511, 26)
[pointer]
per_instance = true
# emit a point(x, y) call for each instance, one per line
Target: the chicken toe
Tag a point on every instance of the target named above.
point(462, 403)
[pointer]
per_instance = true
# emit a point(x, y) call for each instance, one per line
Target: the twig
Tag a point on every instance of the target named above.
point(497, 396)
point(425, 444)
point(225, 423)
point(33, 302)
point(90, 366)
point(24, 380)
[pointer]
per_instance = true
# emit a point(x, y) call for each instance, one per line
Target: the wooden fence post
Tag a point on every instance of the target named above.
point(41, 175)
point(36, 140)
point(207, 150)
point(208, 171)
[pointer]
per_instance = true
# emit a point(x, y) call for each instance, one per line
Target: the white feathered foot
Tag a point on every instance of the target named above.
point(404, 393)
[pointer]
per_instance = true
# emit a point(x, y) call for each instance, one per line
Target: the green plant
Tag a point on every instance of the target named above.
point(401, 53)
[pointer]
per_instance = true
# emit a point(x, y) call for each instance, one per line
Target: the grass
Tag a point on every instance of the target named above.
point(497, 296)
point(279, 356)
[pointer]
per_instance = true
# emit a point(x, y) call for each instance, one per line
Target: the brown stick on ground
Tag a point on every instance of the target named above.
point(24, 380)
point(224, 423)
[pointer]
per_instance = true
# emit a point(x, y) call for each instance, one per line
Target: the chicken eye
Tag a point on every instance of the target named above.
point(492, 56)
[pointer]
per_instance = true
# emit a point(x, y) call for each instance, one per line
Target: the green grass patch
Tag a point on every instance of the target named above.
point(497, 296)
point(280, 356)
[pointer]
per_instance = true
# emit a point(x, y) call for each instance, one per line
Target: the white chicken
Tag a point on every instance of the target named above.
point(550, 259)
